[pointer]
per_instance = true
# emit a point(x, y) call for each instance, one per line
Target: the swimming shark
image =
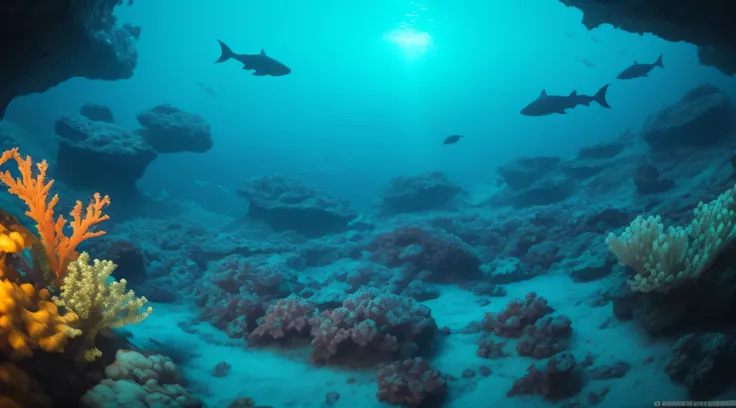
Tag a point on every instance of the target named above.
point(549, 104)
point(261, 63)
point(637, 70)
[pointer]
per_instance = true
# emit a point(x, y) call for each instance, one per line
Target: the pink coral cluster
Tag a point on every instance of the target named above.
point(411, 382)
point(378, 325)
point(290, 315)
point(238, 292)
point(518, 315)
point(542, 336)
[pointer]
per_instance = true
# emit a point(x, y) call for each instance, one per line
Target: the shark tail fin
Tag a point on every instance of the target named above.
point(600, 97)
point(658, 62)
point(225, 52)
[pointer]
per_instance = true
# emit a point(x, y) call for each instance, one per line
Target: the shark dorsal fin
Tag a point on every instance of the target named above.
point(574, 93)
point(544, 92)
point(635, 62)
point(263, 52)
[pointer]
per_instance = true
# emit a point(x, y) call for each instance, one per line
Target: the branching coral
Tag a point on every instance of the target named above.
point(60, 249)
point(29, 321)
point(100, 305)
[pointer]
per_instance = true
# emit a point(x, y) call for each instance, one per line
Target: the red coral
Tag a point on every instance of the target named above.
point(410, 382)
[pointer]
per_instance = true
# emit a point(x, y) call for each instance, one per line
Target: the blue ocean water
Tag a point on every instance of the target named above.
point(329, 250)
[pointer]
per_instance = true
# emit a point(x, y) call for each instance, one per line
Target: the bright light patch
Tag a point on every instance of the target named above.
point(409, 39)
point(413, 41)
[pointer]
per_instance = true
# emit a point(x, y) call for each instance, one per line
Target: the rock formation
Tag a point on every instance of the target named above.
point(46, 43)
point(709, 25)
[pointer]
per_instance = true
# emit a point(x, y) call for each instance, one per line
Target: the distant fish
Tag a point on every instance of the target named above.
point(452, 139)
point(638, 70)
point(549, 104)
point(261, 63)
point(595, 40)
point(207, 89)
point(587, 63)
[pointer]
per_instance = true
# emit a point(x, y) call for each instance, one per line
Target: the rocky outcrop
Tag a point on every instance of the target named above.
point(45, 43)
point(97, 155)
point(425, 192)
point(288, 204)
point(170, 130)
point(709, 25)
point(702, 117)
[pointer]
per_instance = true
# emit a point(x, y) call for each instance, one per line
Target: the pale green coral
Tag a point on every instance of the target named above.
point(664, 258)
point(100, 304)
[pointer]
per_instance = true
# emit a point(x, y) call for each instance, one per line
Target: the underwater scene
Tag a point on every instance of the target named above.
point(351, 204)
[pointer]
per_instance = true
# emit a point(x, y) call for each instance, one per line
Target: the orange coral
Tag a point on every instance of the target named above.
point(28, 320)
point(61, 250)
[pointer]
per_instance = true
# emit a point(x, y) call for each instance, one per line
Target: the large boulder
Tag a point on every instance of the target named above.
point(288, 204)
point(170, 130)
point(702, 117)
point(44, 43)
point(523, 172)
point(428, 191)
point(100, 155)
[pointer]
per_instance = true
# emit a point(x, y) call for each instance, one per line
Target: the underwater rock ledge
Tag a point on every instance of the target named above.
point(705, 24)
point(46, 43)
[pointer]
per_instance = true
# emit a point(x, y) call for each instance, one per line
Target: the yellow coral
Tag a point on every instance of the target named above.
point(29, 321)
point(100, 305)
point(10, 242)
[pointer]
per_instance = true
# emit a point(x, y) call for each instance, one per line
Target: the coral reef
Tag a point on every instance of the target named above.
point(388, 303)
